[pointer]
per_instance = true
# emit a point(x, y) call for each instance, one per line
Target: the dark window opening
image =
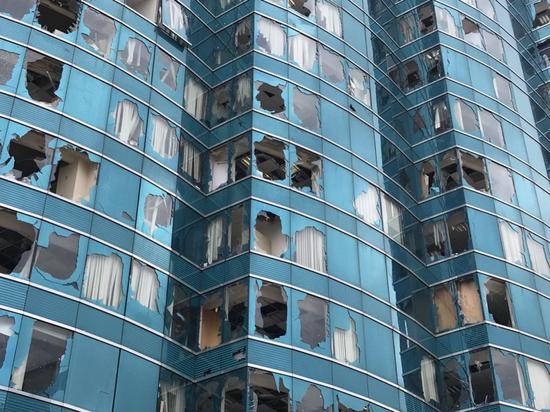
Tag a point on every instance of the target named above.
point(8, 60)
point(243, 36)
point(302, 6)
point(456, 389)
point(207, 396)
point(270, 98)
point(270, 158)
point(16, 242)
point(75, 175)
point(450, 177)
point(544, 51)
point(343, 408)
point(271, 311)
point(59, 257)
point(43, 77)
point(458, 232)
point(58, 15)
point(498, 302)
point(481, 377)
point(238, 230)
point(236, 297)
point(435, 239)
point(267, 394)
point(306, 171)
point(434, 65)
point(412, 75)
point(473, 170)
point(30, 152)
point(241, 159)
point(268, 234)
point(233, 395)
point(313, 320)
point(427, 20)
point(17, 8)
point(312, 401)
point(180, 316)
point(428, 180)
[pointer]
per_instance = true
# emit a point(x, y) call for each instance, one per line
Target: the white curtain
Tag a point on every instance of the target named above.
point(539, 262)
point(136, 55)
point(169, 73)
point(344, 344)
point(190, 162)
point(310, 248)
point(427, 374)
point(164, 141)
point(540, 383)
point(366, 205)
point(511, 242)
point(157, 211)
point(128, 124)
point(214, 239)
point(177, 19)
point(243, 93)
point(218, 170)
point(440, 234)
point(328, 16)
point(195, 98)
point(103, 279)
point(145, 285)
point(171, 397)
point(303, 51)
point(271, 37)
point(445, 21)
point(359, 85)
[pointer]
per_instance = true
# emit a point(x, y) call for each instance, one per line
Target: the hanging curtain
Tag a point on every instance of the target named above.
point(103, 279)
point(440, 235)
point(190, 162)
point(328, 17)
point(164, 141)
point(136, 56)
point(367, 207)
point(303, 51)
point(128, 124)
point(511, 243)
point(157, 211)
point(427, 374)
point(195, 98)
point(359, 86)
point(145, 285)
point(214, 239)
point(271, 37)
point(310, 248)
point(176, 17)
point(539, 262)
point(539, 378)
point(243, 94)
point(171, 396)
point(344, 343)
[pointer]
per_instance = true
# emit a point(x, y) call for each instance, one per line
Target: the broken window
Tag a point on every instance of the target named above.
point(450, 177)
point(147, 8)
point(17, 239)
point(456, 388)
point(502, 184)
point(236, 309)
point(491, 128)
point(303, 51)
point(407, 25)
point(164, 140)
point(136, 57)
point(102, 31)
point(367, 206)
point(28, 155)
point(271, 37)
point(157, 211)
point(310, 248)
point(41, 365)
point(8, 60)
point(17, 8)
point(240, 159)
point(191, 160)
point(467, 118)
point(75, 175)
point(268, 394)
point(312, 401)
point(306, 107)
point(103, 279)
point(445, 21)
point(537, 254)
point(180, 316)
point(481, 378)
point(168, 74)
point(429, 379)
point(219, 168)
point(43, 77)
point(268, 234)
point(503, 89)
point(391, 217)
point(58, 15)
point(221, 103)
point(328, 17)
point(435, 237)
point(441, 116)
point(195, 97)
point(174, 20)
point(144, 285)
point(473, 170)
point(472, 34)
point(434, 65)
point(238, 230)
point(128, 122)
point(243, 35)
point(233, 394)
point(305, 7)
point(512, 242)
point(486, 7)
point(426, 19)
point(210, 324)
point(509, 375)
point(313, 320)
point(457, 228)
point(539, 377)
point(544, 52)
point(59, 257)
point(270, 158)
point(332, 67)
point(542, 13)
point(493, 44)
point(306, 171)
point(469, 301)
point(6, 330)
point(428, 180)
point(214, 239)
point(271, 310)
point(412, 75)
point(171, 392)
point(358, 85)
point(271, 98)
point(344, 344)
point(498, 302)
point(445, 308)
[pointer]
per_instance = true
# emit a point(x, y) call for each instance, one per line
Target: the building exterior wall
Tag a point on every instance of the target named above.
point(272, 206)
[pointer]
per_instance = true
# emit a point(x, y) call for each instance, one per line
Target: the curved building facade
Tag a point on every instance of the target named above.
point(274, 205)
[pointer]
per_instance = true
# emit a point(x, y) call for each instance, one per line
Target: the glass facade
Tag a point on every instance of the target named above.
point(274, 205)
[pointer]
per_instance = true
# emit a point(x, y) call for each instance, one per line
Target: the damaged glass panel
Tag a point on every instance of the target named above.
point(441, 117)
point(392, 218)
point(195, 97)
point(59, 257)
point(270, 158)
point(271, 310)
point(164, 140)
point(214, 239)
point(102, 31)
point(332, 66)
point(240, 158)
point(472, 34)
point(429, 184)
point(157, 211)
point(328, 17)
point(128, 122)
point(171, 392)
point(210, 324)
point(180, 319)
point(221, 103)
point(268, 234)
point(169, 73)
point(233, 394)
point(303, 51)
point(8, 60)
point(41, 359)
point(236, 309)
point(359, 86)
point(17, 8)
point(503, 89)
point(103, 279)
point(481, 377)
point(473, 171)
point(191, 161)
point(312, 401)
point(344, 344)
point(144, 285)
point(313, 320)
point(450, 176)
point(435, 237)
point(17, 240)
point(238, 232)
point(267, 393)
point(310, 248)
point(502, 183)
point(271, 98)
point(456, 387)
point(271, 37)
point(539, 377)
point(491, 128)
point(58, 16)
point(174, 20)
point(467, 118)
point(305, 7)
point(136, 57)
point(538, 256)
point(306, 171)
point(498, 302)
point(43, 77)
point(512, 242)
point(7, 329)
point(367, 206)
point(429, 379)
point(457, 227)
point(306, 107)
point(75, 175)
point(445, 308)
point(219, 168)
point(147, 8)
point(509, 376)
point(469, 301)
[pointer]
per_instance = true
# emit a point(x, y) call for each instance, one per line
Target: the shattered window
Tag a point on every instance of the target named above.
point(169, 72)
point(467, 117)
point(441, 117)
point(8, 60)
point(17, 239)
point(27, 155)
point(210, 326)
point(271, 310)
point(512, 242)
point(240, 158)
point(429, 379)
point(412, 75)
point(303, 51)
point(486, 7)
point(103, 279)
point(491, 128)
point(426, 19)
point(391, 217)
point(306, 107)
point(503, 89)
point(481, 377)
point(174, 20)
point(509, 375)
point(214, 239)
point(435, 237)
point(498, 302)
point(236, 309)
point(195, 97)
point(328, 17)
point(537, 254)
point(457, 228)
point(17, 8)
point(344, 344)
point(6, 330)
point(43, 77)
point(270, 158)
point(434, 64)
point(102, 31)
point(312, 401)
point(75, 175)
point(313, 320)
point(171, 392)
point(157, 211)
point(243, 35)
point(136, 57)
point(144, 285)
point(271, 37)
point(238, 230)
point(367, 206)
point(268, 234)
point(267, 393)
point(472, 33)
point(332, 66)
point(58, 15)
point(191, 160)
point(128, 123)
point(542, 13)
point(59, 256)
point(445, 308)
point(233, 394)
point(450, 177)
point(310, 248)
point(164, 140)
point(180, 316)
point(305, 7)
point(429, 184)
point(456, 388)
point(44, 359)
point(473, 170)
point(242, 90)
point(539, 377)
point(306, 171)
point(147, 8)
point(445, 21)
point(469, 301)
point(271, 98)
point(502, 184)
point(358, 85)
point(493, 44)
point(219, 168)
point(221, 103)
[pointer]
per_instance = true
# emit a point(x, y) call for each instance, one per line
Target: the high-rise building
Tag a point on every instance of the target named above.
point(274, 205)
